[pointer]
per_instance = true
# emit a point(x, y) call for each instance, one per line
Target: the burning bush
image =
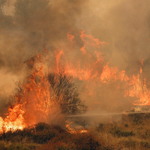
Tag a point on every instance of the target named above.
point(42, 98)
point(41, 133)
point(67, 94)
point(54, 136)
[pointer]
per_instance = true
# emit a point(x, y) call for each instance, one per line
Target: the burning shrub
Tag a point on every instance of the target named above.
point(18, 135)
point(67, 94)
point(42, 133)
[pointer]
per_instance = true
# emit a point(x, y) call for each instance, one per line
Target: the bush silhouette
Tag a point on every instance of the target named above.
point(67, 94)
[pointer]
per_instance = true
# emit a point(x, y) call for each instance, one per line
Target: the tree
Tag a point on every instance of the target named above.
point(67, 94)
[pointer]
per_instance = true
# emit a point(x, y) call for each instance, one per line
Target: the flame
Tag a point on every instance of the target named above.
point(70, 37)
point(33, 104)
point(73, 130)
point(96, 70)
point(36, 100)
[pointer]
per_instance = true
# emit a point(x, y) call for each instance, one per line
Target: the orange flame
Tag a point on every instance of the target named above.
point(35, 102)
point(73, 130)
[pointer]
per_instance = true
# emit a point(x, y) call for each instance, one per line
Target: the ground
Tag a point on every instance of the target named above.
point(131, 132)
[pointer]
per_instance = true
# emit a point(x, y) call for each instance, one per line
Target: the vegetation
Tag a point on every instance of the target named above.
point(45, 137)
point(67, 94)
point(106, 136)
point(131, 132)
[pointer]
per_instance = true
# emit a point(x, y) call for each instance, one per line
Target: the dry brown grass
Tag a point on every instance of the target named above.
point(132, 131)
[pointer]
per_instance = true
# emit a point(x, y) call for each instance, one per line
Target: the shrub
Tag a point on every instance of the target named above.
point(59, 145)
point(86, 142)
point(15, 147)
point(44, 136)
point(8, 136)
point(41, 126)
point(28, 132)
point(100, 127)
point(44, 132)
point(120, 133)
point(130, 143)
point(145, 144)
point(65, 89)
point(59, 129)
point(18, 135)
point(2, 147)
point(138, 119)
point(124, 133)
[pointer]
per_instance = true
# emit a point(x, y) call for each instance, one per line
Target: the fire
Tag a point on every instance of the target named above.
point(98, 71)
point(14, 121)
point(73, 130)
point(33, 103)
point(36, 100)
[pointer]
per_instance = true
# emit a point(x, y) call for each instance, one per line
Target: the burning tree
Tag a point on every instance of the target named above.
point(67, 94)
point(63, 89)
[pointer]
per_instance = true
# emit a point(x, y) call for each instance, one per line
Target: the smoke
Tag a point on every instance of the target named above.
point(33, 26)
point(29, 26)
point(125, 26)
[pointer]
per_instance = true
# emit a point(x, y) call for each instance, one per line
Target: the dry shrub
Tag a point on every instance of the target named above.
point(66, 141)
point(42, 133)
point(2, 146)
point(45, 132)
point(85, 141)
point(58, 146)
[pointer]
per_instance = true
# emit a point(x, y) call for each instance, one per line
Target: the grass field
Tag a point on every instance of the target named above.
point(131, 132)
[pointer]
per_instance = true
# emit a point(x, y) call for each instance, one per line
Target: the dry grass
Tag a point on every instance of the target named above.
point(132, 132)
point(45, 137)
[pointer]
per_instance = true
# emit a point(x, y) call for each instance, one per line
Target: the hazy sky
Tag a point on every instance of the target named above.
point(31, 25)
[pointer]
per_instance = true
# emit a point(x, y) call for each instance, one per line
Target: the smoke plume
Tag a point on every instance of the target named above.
point(29, 26)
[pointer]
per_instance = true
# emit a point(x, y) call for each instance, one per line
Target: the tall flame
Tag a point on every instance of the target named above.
point(34, 103)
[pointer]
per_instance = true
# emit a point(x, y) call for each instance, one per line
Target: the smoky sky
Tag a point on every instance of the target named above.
point(125, 25)
point(27, 27)
point(35, 25)
point(38, 24)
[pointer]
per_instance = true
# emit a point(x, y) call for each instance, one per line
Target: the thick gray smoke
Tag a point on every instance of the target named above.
point(35, 25)
point(125, 25)
point(29, 26)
